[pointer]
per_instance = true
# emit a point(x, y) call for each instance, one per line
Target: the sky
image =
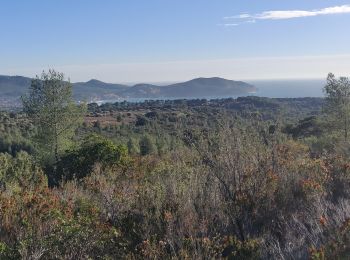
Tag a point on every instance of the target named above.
point(167, 40)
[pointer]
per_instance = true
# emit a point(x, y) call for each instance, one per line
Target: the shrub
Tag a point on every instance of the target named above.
point(94, 150)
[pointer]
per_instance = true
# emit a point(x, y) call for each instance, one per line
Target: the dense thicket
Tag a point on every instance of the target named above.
point(251, 178)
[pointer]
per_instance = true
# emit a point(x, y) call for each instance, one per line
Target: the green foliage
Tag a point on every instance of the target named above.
point(141, 121)
point(94, 151)
point(307, 127)
point(338, 101)
point(132, 147)
point(15, 132)
point(20, 172)
point(147, 145)
point(247, 178)
point(51, 108)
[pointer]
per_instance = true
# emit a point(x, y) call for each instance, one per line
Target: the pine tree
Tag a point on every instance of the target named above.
point(338, 101)
point(51, 108)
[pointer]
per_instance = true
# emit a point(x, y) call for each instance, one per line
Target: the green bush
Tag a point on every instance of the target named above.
point(94, 150)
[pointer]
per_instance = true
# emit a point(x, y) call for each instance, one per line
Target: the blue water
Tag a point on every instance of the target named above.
point(289, 88)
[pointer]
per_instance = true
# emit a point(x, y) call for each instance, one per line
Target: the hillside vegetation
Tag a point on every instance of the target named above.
point(245, 178)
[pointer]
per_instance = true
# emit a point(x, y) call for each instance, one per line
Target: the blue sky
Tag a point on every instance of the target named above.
point(167, 40)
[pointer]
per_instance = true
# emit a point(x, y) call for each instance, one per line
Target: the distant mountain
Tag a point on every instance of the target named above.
point(97, 90)
point(142, 91)
point(12, 87)
point(208, 87)
point(196, 88)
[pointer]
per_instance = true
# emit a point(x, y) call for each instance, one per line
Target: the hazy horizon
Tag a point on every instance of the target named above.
point(304, 68)
point(163, 41)
point(131, 83)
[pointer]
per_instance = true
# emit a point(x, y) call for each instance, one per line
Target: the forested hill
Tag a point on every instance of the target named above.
point(12, 87)
point(196, 88)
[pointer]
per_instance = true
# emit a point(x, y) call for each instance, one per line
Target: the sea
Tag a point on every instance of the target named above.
point(295, 88)
point(289, 88)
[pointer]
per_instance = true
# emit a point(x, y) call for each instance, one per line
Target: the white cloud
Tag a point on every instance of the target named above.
point(278, 15)
point(292, 14)
point(228, 24)
point(241, 16)
point(236, 24)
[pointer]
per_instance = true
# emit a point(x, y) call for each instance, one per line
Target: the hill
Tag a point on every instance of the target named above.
point(209, 87)
point(97, 90)
point(13, 87)
point(196, 88)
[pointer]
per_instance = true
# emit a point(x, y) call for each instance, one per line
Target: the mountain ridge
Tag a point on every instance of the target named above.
point(13, 87)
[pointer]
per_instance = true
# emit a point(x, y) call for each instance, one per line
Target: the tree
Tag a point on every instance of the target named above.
point(146, 145)
point(338, 101)
point(132, 146)
point(53, 111)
